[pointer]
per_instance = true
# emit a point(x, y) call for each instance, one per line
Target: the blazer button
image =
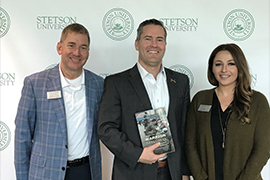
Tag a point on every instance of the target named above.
point(63, 168)
point(66, 146)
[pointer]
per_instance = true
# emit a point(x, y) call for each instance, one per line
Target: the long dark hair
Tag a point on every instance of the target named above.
point(243, 91)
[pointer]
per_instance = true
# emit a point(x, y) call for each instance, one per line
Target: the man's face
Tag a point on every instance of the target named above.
point(74, 51)
point(151, 46)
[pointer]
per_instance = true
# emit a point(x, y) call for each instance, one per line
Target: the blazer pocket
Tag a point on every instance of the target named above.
point(38, 161)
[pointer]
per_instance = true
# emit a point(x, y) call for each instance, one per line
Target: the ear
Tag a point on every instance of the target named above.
point(136, 45)
point(59, 48)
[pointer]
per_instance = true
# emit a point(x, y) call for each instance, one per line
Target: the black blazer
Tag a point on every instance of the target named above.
point(124, 95)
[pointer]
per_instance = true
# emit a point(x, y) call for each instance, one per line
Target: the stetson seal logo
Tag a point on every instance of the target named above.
point(238, 24)
point(4, 22)
point(5, 136)
point(184, 70)
point(118, 24)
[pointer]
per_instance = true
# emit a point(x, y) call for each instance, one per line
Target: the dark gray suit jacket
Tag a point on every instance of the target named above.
point(124, 95)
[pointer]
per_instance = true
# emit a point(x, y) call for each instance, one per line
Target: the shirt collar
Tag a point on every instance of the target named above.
point(67, 82)
point(144, 73)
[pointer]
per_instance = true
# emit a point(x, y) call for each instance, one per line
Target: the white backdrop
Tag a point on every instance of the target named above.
point(30, 30)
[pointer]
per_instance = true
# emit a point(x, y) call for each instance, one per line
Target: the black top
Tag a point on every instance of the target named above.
point(217, 135)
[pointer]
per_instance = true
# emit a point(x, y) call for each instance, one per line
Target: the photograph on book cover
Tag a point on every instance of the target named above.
point(154, 127)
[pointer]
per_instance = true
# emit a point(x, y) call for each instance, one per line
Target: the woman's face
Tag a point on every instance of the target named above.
point(224, 69)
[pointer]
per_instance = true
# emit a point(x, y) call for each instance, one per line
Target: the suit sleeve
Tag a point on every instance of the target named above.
point(24, 130)
point(109, 126)
point(261, 147)
point(185, 166)
point(194, 161)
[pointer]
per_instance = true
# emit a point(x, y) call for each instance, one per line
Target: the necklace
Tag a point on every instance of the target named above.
point(223, 129)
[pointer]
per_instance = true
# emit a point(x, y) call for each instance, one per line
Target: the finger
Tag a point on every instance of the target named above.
point(154, 146)
point(161, 155)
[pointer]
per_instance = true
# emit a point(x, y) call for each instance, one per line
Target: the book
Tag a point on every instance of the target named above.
point(154, 127)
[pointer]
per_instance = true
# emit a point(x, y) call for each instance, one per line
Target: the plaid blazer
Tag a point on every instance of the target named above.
point(41, 133)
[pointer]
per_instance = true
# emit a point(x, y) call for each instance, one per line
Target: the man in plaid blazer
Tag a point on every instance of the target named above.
point(56, 123)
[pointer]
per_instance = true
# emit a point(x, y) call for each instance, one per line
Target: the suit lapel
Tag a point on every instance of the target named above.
point(137, 83)
point(54, 84)
point(90, 102)
point(172, 88)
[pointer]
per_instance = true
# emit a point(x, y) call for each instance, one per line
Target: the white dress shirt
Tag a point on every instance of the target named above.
point(157, 89)
point(75, 106)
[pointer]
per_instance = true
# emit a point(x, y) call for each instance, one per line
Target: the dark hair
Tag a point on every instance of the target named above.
point(243, 91)
point(77, 28)
point(148, 22)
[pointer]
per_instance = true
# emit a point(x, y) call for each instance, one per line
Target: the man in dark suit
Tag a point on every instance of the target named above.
point(148, 85)
point(56, 123)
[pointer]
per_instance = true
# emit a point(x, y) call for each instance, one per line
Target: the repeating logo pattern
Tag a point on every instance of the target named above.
point(4, 22)
point(181, 24)
point(238, 24)
point(253, 80)
point(54, 22)
point(184, 70)
point(118, 24)
point(7, 79)
point(5, 136)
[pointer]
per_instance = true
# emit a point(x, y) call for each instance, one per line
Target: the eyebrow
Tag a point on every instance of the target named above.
point(75, 43)
point(217, 60)
point(160, 37)
point(152, 37)
point(147, 36)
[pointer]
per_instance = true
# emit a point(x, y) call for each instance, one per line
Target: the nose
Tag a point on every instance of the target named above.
point(77, 51)
point(154, 43)
point(224, 68)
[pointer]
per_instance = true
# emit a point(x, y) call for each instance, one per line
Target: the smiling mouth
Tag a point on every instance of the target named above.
point(73, 59)
point(224, 76)
point(153, 52)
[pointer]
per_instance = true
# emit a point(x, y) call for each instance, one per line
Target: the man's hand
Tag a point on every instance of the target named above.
point(148, 156)
point(185, 178)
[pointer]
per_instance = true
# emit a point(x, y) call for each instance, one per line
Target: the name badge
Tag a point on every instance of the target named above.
point(53, 94)
point(204, 108)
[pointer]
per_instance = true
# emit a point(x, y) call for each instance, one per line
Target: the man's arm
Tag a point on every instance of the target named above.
point(110, 125)
point(25, 123)
point(186, 170)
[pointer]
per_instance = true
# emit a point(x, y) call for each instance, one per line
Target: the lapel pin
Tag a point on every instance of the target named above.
point(173, 80)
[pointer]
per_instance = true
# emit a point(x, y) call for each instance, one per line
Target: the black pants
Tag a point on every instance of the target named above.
point(81, 172)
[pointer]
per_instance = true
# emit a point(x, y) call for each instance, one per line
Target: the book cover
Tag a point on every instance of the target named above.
point(154, 127)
